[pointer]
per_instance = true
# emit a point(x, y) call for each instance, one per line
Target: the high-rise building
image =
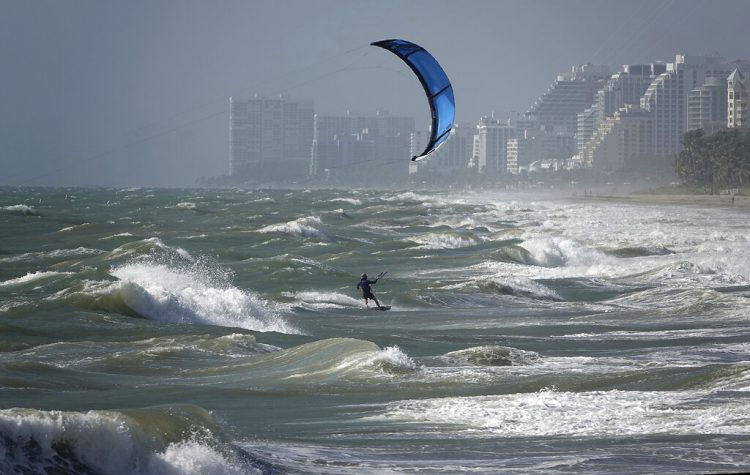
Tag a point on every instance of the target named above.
point(537, 146)
point(588, 120)
point(666, 98)
point(622, 88)
point(738, 94)
point(493, 136)
point(269, 139)
point(626, 87)
point(568, 96)
point(620, 140)
point(522, 151)
point(449, 161)
point(707, 106)
point(363, 150)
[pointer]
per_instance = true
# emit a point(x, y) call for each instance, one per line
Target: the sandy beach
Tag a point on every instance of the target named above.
point(740, 201)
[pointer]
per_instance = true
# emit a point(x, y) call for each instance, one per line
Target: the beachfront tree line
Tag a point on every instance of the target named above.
point(717, 161)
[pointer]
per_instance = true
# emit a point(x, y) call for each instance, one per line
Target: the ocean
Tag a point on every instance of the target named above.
point(219, 331)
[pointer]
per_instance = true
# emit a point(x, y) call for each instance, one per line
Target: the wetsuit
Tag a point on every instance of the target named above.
point(364, 284)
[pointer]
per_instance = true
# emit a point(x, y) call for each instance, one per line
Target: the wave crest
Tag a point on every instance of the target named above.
point(193, 294)
point(307, 227)
point(174, 440)
point(21, 210)
point(491, 355)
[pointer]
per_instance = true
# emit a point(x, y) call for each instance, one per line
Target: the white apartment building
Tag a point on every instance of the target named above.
point(587, 123)
point(536, 146)
point(269, 139)
point(667, 96)
point(707, 106)
point(451, 157)
point(522, 151)
point(568, 96)
point(493, 136)
point(738, 93)
point(626, 87)
point(620, 140)
point(622, 88)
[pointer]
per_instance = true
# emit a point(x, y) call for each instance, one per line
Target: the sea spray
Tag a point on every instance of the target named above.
point(307, 227)
point(153, 441)
point(197, 292)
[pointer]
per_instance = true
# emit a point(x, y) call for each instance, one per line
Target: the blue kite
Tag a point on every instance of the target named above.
point(436, 85)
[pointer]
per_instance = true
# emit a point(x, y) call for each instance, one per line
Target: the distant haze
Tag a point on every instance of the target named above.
point(136, 92)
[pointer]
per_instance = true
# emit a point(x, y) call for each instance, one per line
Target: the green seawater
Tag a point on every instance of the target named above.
point(220, 331)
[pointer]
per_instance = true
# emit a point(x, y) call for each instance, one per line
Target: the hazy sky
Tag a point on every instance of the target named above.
point(135, 92)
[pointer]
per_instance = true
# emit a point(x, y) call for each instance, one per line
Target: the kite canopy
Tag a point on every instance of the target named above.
point(436, 85)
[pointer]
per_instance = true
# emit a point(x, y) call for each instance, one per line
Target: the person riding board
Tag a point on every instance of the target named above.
point(365, 284)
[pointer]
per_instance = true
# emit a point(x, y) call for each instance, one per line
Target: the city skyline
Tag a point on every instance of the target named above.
point(150, 108)
point(629, 123)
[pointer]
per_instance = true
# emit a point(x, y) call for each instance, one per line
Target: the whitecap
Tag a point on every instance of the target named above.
point(21, 210)
point(193, 294)
point(550, 413)
point(32, 277)
point(307, 227)
point(444, 241)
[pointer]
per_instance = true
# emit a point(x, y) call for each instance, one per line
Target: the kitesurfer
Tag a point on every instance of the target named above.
point(365, 284)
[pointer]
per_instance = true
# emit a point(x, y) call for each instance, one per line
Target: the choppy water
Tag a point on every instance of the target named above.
point(219, 332)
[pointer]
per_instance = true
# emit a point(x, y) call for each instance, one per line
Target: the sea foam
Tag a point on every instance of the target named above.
point(444, 241)
point(550, 413)
point(21, 210)
point(322, 300)
point(110, 442)
point(307, 227)
point(193, 293)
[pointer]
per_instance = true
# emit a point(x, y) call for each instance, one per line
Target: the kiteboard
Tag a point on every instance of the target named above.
point(382, 308)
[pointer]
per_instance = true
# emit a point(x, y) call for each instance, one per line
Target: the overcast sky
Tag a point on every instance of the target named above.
point(135, 92)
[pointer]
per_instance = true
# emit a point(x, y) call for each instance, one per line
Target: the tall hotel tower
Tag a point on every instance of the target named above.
point(738, 91)
point(269, 139)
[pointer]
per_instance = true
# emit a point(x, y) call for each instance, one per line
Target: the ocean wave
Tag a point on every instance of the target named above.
point(519, 287)
point(70, 228)
point(638, 251)
point(115, 236)
point(32, 277)
point(325, 300)
point(561, 252)
point(491, 355)
point(307, 227)
point(351, 201)
point(444, 241)
point(174, 440)
point(54, 254)
point(21, 210)
point(149, 246)
point(193, 294)
point(586, 414)
point(186, 205)
point(189, 206)
point(326, 361)
point(405, 196)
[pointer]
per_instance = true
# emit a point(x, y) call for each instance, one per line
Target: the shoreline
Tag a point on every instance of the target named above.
point(740, 201)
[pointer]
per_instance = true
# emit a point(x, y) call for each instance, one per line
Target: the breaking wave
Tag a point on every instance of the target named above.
point(21, 210)
point(174, 440)
point(193, 294)
point(444, 241)
point(307, 227)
